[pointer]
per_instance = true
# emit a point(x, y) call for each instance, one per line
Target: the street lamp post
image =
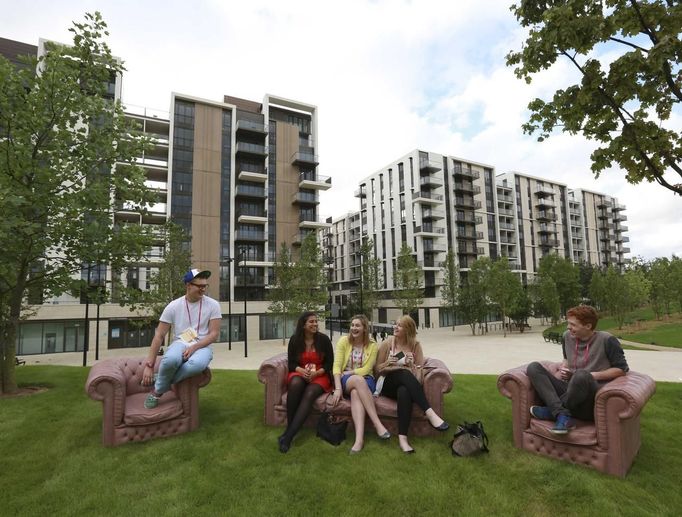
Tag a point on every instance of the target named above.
point(242, 259)
point(86, 337)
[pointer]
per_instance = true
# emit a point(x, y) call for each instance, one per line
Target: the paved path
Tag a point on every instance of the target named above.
point(462, 352)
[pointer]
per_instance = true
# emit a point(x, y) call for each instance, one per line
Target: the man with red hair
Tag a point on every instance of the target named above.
point(591, 358)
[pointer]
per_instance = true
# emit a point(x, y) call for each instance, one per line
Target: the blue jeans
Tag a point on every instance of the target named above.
point(174, 368)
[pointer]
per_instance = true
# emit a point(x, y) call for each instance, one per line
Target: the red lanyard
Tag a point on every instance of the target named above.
point(201, 301)
point(585, 354)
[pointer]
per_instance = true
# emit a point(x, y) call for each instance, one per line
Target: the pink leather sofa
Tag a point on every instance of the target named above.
point(273, 373)
point(609, 444)
point(116, 382)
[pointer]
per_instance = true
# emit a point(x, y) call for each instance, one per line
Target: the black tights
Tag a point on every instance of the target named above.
point(404, 387)
point(301, 396)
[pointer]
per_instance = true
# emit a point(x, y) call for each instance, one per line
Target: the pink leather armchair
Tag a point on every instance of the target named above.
point(116, 382)
point(609, 444)
point(273, 373)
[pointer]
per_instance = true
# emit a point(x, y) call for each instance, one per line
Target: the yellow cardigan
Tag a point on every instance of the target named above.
point(342, 354)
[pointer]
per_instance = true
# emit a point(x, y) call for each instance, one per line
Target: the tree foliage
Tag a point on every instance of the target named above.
point(450, 288)
point(624, 292)
point(408, 292)
point(371, 279)
point(566, 278)
point(503, 288)
point(299, 285)
point(166, 280)
point(473, 304)
point(60, 137)
point(627, 101)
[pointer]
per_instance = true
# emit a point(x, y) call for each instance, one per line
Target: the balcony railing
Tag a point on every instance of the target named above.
point(251, 126)
point(249, 148)
point(427, 195)
point(304, 157)
point(430, 165)
point(250, 191)
point(458, 170)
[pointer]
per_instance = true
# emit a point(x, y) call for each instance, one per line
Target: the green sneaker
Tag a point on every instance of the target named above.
point(151, 401)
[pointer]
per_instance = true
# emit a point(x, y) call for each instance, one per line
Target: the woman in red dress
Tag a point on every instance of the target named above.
point(311, 358)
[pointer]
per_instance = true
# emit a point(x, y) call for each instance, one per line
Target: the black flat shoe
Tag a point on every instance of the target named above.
point(411, 451)
point(442, 427)
point(283, 445)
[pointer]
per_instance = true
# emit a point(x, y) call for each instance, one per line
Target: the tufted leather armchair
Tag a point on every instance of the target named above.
point(609, 444)
point(116, 382)
point(437, 382)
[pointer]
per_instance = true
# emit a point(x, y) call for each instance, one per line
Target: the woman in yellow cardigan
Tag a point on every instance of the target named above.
point(353, 365)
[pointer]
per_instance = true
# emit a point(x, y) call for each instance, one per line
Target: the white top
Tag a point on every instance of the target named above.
point(183, 314)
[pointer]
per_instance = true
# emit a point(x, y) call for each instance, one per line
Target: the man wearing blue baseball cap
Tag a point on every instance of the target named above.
point(196, 324)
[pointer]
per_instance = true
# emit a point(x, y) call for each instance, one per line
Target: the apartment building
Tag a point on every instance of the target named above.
point(240, 176)
point(436, 203)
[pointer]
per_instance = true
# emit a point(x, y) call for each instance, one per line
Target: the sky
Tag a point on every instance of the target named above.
point(386, 76)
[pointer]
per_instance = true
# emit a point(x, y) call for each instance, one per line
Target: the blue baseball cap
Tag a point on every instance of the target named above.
point(193, 273)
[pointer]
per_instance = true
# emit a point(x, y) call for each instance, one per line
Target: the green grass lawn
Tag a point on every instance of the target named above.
point(52, 463)
point(662, 333)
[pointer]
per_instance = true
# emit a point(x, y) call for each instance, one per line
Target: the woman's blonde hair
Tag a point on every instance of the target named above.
point(410, 328)
point(365, 328)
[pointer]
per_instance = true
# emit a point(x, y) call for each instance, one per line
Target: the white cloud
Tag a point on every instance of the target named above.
point(387, 77)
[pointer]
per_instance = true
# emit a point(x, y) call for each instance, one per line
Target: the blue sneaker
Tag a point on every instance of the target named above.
point(563, 425)
point(151, 401)
point(541, 413)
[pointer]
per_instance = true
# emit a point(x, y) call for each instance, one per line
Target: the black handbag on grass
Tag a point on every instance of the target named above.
point(331, 429)
point(469, 439)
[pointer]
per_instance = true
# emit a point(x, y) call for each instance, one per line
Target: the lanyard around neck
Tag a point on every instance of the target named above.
point(586, 353)
point(189, 315)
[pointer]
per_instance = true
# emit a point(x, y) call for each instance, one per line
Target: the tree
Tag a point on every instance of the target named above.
point(407, 282)
point(371, 279)
point(624, 292)
point(60, 137)
point(472, 304)
point(521, 309)
point(310, 276)
point(166, 281)
point(450, 289)
point(503, 288)
point(598, 290)
point(545, 298)
point(566, 277)
point(662, 286)
point(625, 102)
point(282, 293)
point(676, 279)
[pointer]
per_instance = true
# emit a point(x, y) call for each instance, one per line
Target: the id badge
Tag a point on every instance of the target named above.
point(189, 335)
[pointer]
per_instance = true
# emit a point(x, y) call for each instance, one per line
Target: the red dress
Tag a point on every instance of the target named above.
point(312, 357)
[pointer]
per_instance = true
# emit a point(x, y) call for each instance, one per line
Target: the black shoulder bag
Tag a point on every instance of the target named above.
point(469, 439)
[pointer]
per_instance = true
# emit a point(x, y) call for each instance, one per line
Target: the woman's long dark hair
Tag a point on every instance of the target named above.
point(297, 343)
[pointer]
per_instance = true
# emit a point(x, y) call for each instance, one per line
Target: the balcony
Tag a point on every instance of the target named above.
point(507, 227)
point(603, 214)
point(469, 217)
point(504, 197)
point(251, 149)
point(431, 214)
point(250, 191)
point(430, 181)
point(619, 217)
point(466, 187)
point(547, 228)
point(459, 171)
point(622, 228)
point(505, 212)
point(428, 198)
point(249, 235)
point(468, 234)
point(249, 281)
point(622, 238)
point(545, 201)
point(305, 157)
point(313, 222)
point(624, 250)
point(617, 207)
point(604, 203)
point(468, 249)
point(252, 216)
point(251, 127)
point(305, 198)
point(257, 176)
point(467, 202)
point(542, 191)
point(298, 238)
point(361, 192)
point(429, 165)
point(427, 229)
point(434, 248)
point(545, 216)
point(312, 180)
point(548, 243)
